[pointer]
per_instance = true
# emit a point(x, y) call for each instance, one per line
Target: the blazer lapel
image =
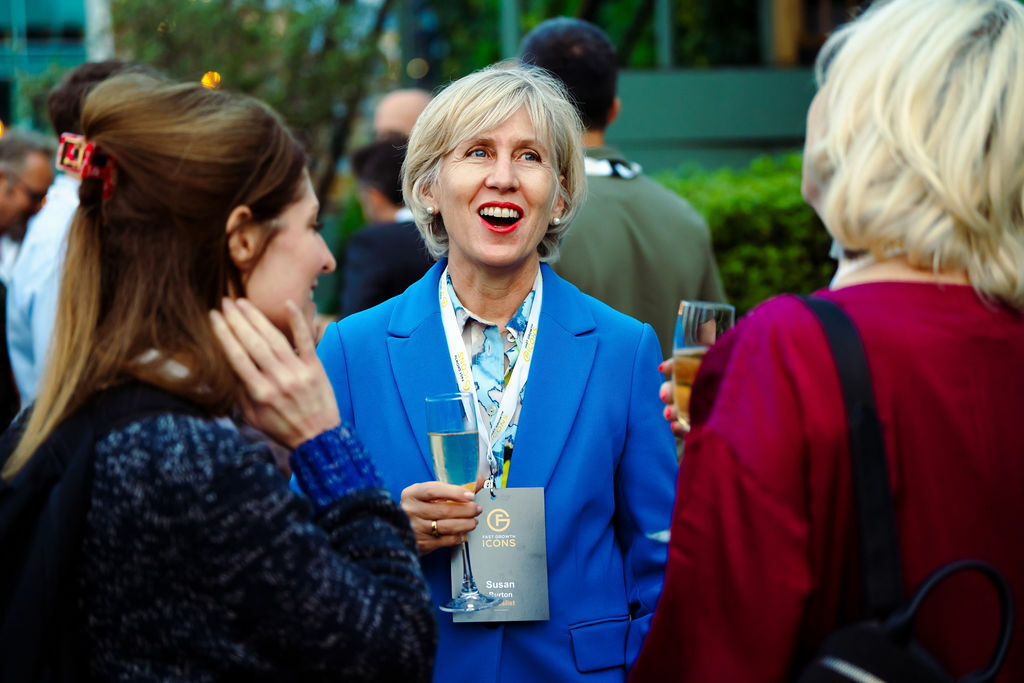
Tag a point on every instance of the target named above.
point(563, 358)
point(418, 354)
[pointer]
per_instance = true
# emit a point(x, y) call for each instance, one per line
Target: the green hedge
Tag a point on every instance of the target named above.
point(767, 240)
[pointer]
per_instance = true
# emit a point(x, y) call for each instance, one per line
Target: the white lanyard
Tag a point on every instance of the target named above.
point(463, 375)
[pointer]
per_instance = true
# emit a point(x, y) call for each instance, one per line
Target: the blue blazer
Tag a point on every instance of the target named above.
point(590, 432)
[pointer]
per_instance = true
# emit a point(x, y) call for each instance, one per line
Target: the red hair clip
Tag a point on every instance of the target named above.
point(69, 152)
point(75, 155)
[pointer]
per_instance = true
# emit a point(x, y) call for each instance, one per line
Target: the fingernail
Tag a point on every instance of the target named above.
point(663, 393)
point(663, 366)
point(226, 303)
point(667, 412)
point(468, 495)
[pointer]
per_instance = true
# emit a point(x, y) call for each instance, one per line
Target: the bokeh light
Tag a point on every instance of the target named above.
point(211, 79)
point(417, 68)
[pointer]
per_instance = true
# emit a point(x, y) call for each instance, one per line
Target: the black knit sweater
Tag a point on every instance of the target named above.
point(200, 564)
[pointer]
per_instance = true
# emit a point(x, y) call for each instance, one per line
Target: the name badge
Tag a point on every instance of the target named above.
point(509, 553)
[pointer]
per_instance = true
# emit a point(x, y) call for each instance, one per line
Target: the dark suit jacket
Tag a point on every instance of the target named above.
point(380, 262)
point(10, 400)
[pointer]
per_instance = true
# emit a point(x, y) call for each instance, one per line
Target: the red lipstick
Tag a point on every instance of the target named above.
point(500, 224)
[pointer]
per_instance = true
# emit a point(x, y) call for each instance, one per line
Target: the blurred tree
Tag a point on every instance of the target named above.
point(457, 38)
point(33, 90)
point(312, 60)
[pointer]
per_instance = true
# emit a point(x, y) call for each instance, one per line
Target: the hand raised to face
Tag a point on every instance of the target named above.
point(286, 392)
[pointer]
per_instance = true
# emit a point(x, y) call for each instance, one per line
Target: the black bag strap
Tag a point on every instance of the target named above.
point(881, 574)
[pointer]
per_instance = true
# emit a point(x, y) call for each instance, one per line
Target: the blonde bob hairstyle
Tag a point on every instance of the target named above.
point(478, 103)
point(920, 150)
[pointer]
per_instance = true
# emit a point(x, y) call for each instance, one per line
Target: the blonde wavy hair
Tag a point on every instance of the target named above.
point(477, 103)
point(921, 147)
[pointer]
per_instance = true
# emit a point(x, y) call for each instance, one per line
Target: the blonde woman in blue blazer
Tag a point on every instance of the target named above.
point(493, 175)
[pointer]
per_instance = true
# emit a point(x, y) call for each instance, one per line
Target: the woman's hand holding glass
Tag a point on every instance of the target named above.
point(667, 396)
point(699, 324)
point(287, 393)
point(431, 502)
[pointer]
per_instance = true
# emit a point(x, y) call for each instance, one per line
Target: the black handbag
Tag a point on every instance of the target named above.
point(882, 648)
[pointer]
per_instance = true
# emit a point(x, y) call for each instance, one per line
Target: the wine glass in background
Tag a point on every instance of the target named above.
point(451, 427)
point(698, 325)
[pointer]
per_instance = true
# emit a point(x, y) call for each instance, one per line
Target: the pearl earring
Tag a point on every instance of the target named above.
point(556, 221)
point(431, 211)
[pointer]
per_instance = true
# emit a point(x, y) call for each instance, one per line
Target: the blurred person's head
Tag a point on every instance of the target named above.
point(580, 55)
point(64, 103)
point(209, 198)
point(397, 111)
point(26, 171)
point(378, 170)
point(915, 142)
point(471, 107)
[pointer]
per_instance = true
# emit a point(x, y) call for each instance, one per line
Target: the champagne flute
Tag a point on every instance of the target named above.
point(698, 325)
point(451, 426)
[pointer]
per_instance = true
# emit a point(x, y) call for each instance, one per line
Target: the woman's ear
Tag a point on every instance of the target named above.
point(242, 235)
point(559, 208)
point(427, 196)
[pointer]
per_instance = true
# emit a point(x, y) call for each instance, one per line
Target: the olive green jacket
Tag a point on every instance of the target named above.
point(639, 248)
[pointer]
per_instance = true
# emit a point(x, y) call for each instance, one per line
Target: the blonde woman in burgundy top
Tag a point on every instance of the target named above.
point(915, 162)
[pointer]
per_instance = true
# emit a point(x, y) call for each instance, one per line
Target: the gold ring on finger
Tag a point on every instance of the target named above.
point(433, 530)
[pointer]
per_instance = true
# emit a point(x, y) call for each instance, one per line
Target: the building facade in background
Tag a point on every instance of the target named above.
point(36, 36)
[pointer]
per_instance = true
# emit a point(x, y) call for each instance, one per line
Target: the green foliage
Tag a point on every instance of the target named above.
point(469, 37)
point(704, 32)
point(767, 240)
point(311, 60)
point(33, 90)
point(256, 49)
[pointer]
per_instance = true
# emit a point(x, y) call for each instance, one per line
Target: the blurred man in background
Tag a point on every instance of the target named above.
point(397, 112)
point(26, 171)
point(35, 279)
point(634, 245)
point(387, 255)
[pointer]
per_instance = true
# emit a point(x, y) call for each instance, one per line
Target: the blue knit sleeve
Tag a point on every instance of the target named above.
point(333, 464)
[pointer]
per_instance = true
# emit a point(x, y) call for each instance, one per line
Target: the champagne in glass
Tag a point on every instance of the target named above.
point(455, 457)
point(698, 325)
point(451, 427)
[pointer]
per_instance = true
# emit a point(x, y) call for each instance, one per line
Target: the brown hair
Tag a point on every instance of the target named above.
point(144, 267)
point(64, 103)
